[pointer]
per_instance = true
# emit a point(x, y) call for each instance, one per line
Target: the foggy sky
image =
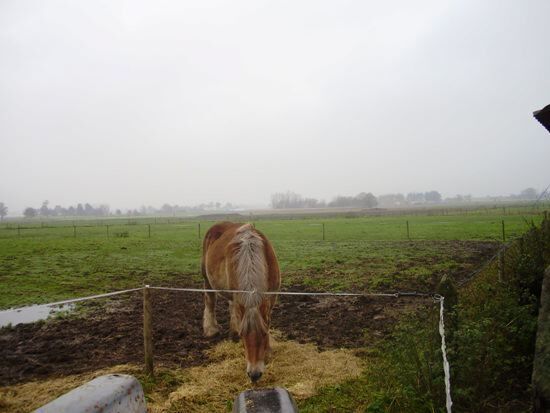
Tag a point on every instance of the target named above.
point(131, 103)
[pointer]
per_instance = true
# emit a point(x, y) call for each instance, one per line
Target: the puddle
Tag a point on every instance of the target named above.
point(31, 313)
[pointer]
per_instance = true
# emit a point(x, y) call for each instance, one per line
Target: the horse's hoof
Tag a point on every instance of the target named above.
point(211, 332)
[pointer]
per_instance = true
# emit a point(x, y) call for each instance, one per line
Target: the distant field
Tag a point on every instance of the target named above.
point(45, 264)
point(476, 225)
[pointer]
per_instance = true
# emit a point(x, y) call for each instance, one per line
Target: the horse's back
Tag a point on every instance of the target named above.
point(220, 246)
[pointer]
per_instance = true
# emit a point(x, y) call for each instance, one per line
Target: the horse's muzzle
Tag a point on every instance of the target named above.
point(255, 376)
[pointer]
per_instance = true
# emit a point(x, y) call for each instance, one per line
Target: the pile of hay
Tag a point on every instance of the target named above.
point(301, 368)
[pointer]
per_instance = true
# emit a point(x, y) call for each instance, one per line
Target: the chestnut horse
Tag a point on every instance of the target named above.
point(239, 257)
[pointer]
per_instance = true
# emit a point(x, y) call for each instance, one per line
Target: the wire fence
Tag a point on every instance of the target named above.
point(490, 228)
point(147, 306)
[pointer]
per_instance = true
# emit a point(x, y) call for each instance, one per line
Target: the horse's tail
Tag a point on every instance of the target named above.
point(250, 265)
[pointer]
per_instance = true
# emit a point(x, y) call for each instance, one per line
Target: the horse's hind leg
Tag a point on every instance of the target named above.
point(209, 323)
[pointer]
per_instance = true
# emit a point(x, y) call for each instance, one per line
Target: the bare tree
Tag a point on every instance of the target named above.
point(366, 200)
point(3, 211)
point(432, 196)
point(29, 212)
point(529, 193)
point(44, 210)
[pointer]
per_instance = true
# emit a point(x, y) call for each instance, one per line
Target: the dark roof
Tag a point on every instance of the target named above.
point(543, 116)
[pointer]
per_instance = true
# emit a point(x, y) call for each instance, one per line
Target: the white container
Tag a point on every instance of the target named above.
point(113, 393)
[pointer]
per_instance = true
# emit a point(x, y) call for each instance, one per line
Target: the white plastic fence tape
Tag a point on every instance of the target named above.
point(446, 368)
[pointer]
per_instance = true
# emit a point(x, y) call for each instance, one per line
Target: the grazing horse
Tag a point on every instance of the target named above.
point(239, 257)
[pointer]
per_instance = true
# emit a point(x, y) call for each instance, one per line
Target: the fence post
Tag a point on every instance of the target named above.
point(199, 230)
point(74, 231)
point(149, 225)
point(323, 224)
point(408, 232)
point(147, 330)
point(107, 231)
point(503, 232)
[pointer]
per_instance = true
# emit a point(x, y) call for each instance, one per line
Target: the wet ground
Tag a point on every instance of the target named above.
point(111, 333)
point(31, 313)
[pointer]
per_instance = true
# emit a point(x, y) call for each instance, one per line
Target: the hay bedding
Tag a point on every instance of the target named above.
point(301, 368)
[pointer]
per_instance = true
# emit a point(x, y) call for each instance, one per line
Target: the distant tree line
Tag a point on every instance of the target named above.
point(289, 199)
point(361, 200)
point(80, 210)
point(279, 200)
point(87, 210)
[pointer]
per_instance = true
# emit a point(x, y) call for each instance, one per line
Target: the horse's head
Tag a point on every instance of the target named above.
point(254, 332)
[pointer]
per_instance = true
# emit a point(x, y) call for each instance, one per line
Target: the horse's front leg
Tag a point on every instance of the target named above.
point(268, 348)
point(209, 323)
point(234, 322)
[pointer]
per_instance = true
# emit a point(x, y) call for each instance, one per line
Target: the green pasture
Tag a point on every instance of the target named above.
point(44, 264)
point(472, 226)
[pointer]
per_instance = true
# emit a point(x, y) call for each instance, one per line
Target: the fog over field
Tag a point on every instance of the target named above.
point(129, 103)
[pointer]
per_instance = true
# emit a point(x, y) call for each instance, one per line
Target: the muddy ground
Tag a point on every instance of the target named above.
point(110, 332)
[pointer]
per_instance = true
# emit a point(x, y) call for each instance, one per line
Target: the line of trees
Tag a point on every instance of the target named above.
point(361, 200)
point(279, 200)
point(88, 210)
point(80, 210)
point(289, 199)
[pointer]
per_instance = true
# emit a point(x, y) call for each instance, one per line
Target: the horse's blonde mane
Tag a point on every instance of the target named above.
point(250, 265)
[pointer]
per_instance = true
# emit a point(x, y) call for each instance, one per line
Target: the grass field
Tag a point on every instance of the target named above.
point(47, 264)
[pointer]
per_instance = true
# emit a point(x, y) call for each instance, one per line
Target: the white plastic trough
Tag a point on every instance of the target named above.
point(113, 393)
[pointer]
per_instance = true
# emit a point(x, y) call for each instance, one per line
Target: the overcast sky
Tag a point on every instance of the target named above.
point(131, 103)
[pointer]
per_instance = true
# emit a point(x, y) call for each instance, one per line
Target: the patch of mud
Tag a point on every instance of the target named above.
point(335, 322)
point(112, 334)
